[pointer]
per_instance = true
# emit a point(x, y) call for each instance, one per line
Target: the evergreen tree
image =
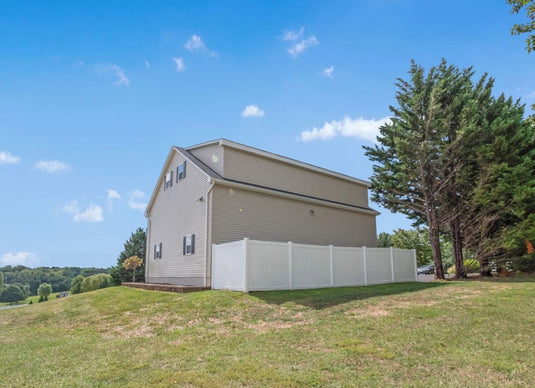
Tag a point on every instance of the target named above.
point(134, 246)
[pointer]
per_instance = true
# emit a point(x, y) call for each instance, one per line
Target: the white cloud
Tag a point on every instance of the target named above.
point(147, 64)
point(195, 43)
point(19, 258)
point(348, 127)
point(252, 111)
point(7, 158)
point(292, 35)
point(137, 200)
point(328, 72)
point(301, 46)
point(92, 214)
point(112, 194)
point(112, 68)
point(51, 166)
point(179, 62)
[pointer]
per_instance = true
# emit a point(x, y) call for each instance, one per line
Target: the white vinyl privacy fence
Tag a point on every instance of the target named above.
point(250, 265)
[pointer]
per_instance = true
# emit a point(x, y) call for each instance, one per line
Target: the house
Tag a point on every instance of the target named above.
point(222, 191)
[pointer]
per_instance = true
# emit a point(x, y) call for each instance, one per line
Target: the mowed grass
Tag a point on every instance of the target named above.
point(472, 333)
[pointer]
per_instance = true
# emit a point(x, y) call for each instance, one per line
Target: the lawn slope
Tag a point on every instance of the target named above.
point(477, 333)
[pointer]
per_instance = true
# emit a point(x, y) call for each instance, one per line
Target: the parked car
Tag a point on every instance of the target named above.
point(428, 269)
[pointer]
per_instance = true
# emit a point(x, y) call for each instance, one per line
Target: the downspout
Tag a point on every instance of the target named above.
point(147, 250)
point(212, 183)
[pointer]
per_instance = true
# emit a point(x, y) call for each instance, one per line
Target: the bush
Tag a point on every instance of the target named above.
point(100, 280)
point(76, 285)
point(470, 266)
point(524, 263)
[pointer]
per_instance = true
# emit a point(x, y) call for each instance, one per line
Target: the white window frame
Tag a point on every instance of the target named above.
point(181, 171)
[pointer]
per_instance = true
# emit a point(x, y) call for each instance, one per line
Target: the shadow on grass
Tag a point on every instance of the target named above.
point(321, 298)
point(520, 278)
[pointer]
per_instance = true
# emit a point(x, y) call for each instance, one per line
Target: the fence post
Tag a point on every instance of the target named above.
point(331, 255)
point(245, 264)
point(365, 267)
point(212, 281)
point(291, 264)
point(415, 265)
point(392, 263)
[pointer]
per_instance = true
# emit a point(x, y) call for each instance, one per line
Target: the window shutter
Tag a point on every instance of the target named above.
point(177, 173)
point(184, 172)
point(192, 243)
point(171, 179)
point(160, 250)
point(184, 246)
point(155, 252)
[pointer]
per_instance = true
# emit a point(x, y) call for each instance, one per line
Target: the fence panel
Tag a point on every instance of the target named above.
point(228, 266)
point(378, 265)
point(268, 267)
point(311, 266)
point(348, 267)
point(404, 265)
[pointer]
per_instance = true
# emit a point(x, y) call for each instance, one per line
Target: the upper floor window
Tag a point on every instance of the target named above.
point(181, 171)
point(168, 182)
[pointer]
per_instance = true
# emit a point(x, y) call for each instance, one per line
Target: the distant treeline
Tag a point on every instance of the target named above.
point(58, 277)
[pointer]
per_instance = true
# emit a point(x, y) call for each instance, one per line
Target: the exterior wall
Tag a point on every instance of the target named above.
point(238, 213)
point(212, 156)
point(177, 212)
point(247, 167)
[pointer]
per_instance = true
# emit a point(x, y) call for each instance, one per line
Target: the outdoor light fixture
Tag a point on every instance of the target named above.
point(313, 212)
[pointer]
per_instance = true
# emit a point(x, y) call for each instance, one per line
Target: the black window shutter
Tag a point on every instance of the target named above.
point(155, 252)
point(177, 173)
point(160, 250)
point(171, 179)
point(184, 246)
point(192, 243)
point(184, 173)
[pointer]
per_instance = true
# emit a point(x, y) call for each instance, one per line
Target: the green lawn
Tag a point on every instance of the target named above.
point(472, 333)
point(33, 298)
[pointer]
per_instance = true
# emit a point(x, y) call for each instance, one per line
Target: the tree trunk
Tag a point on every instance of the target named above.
point(134, 275)
point(434, 239)
point(457, 244)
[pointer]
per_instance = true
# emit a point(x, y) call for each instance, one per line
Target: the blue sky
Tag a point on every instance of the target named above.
point(93, 95)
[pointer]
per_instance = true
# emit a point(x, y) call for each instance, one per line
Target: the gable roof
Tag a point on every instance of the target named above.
point(284, 159)
point(214, 177)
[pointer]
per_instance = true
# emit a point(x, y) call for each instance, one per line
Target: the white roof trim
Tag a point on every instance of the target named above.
point(280, 158)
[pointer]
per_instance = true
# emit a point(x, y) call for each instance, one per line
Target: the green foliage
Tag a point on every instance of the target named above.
point(76, 285)
point(132, 263)
point(414, 239)
point(470, 266)
point(26, 290)
point(1, 281)
point(12, 294)
point(96, 282)
point(529, 26)
point(44, 291)
point(384, 240)
point(134, 246)
point(59, 278)
point(524, 263)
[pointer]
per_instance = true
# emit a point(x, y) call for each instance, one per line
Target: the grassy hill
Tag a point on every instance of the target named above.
point(477, 333)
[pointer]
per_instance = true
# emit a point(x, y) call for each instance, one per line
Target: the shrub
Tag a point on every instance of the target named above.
point(524, 263)
point(470, 266)
point(100, 280)
point(76, 285)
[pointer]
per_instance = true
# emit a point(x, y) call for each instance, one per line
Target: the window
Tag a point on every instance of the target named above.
point(157, 251)
point(188, 247)
point(168, 183)
point(181, 171)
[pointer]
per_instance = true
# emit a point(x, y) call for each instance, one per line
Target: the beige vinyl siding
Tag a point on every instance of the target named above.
point(177, 212)
point(251, 168)
point(211, 155)
point(238, 213)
